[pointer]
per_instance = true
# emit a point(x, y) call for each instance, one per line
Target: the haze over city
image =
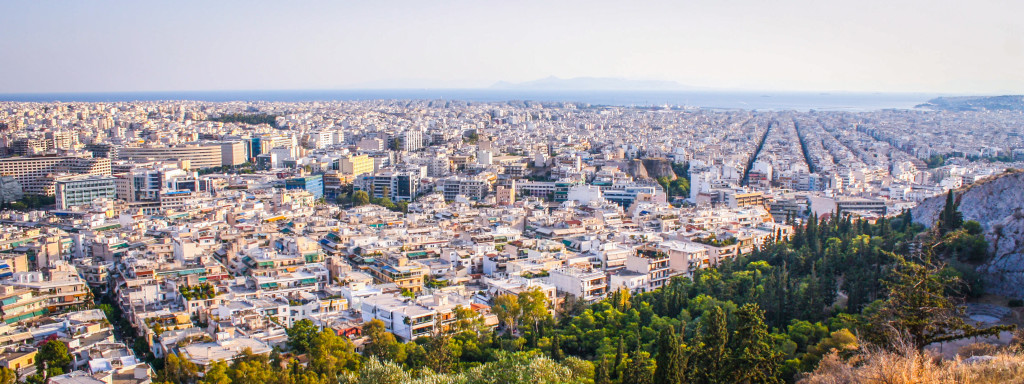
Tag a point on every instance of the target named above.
point(868, 46)
point(520, 192)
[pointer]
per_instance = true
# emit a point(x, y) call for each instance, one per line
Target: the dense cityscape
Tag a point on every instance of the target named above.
point(185, 236)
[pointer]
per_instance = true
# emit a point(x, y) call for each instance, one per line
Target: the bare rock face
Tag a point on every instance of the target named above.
point(10, 189)
point(1005, 271)
point(637, 169)
point(998, 204)
point(659, 167)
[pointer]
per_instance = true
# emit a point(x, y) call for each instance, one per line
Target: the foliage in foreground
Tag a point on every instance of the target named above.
point(909, 365)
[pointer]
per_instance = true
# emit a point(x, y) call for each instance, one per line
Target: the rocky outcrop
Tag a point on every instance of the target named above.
point(659, 167)
point(649, 168)
point(998, 204)
point(637, 169)
point(10, 189)
point(1004, 272)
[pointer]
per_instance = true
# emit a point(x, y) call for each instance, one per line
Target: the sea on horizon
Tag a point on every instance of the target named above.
point(774, 101)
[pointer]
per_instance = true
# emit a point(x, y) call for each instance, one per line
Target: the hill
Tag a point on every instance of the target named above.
point(977, 103)
point(998, 205)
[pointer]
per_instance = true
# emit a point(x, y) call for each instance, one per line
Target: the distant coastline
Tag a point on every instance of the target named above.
point(774, 101)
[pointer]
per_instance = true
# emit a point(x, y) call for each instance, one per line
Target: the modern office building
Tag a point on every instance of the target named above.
point(198, 156)
point(395, 185)
point(34, 172)
point(82, 190)
point(233, 153)
point(313, 184)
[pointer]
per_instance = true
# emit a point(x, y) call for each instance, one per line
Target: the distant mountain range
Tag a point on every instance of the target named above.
point(593, 84)
point(976, 103)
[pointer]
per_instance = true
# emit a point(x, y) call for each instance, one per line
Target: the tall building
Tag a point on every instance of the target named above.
point(232, 153)
point(35, 173)
point(82, 190)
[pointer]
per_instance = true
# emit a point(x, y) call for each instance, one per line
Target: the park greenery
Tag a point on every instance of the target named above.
point(936, 161)
point(680, 185)
point(30, 202)
point(247, 118)
point(360, 198)
point(768, 316)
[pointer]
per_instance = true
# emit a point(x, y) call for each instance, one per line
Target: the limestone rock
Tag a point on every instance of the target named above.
point(998, 205)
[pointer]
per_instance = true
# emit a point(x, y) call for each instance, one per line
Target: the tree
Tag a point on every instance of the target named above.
point(332, 355)
point(360, 198)
point(620, 357)
point(382, 344)
point(380, 372)
point(440, 356)
point(178, 370)
point(917, 310)
point(556, 348)
point(301, 334)
point(217, 373)
point(520, 368)
point(711, 357)
point(8, 376)
point(53, 358)
point(601, 374)
point(670, 367)
point(950, 218)
point(582, 370)
point(534, 308)
point(842, 341)
point(252, 371)
point(506, 308)
point(755, 359)
point(467, 320)
point(638, 370)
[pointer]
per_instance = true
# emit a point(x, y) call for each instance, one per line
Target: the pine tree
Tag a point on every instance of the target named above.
point(670, 365)
point(917, 308)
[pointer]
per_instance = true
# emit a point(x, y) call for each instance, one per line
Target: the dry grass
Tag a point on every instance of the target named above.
point(908, 366)
point(978, 349)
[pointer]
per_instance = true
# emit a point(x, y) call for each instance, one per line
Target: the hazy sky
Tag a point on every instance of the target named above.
point(99, 46)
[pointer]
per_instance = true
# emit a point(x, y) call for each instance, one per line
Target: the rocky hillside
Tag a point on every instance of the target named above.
point(659, 167)
point(998, 204)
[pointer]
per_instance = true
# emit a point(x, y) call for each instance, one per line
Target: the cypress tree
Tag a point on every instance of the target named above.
point(601, 375)
point(619, 354)
point(556, 349)
point(950, 219)
point(670, 365)
point(711, 357)
point(754, 359)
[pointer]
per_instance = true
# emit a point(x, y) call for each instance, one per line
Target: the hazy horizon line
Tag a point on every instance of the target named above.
point(513, 90)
